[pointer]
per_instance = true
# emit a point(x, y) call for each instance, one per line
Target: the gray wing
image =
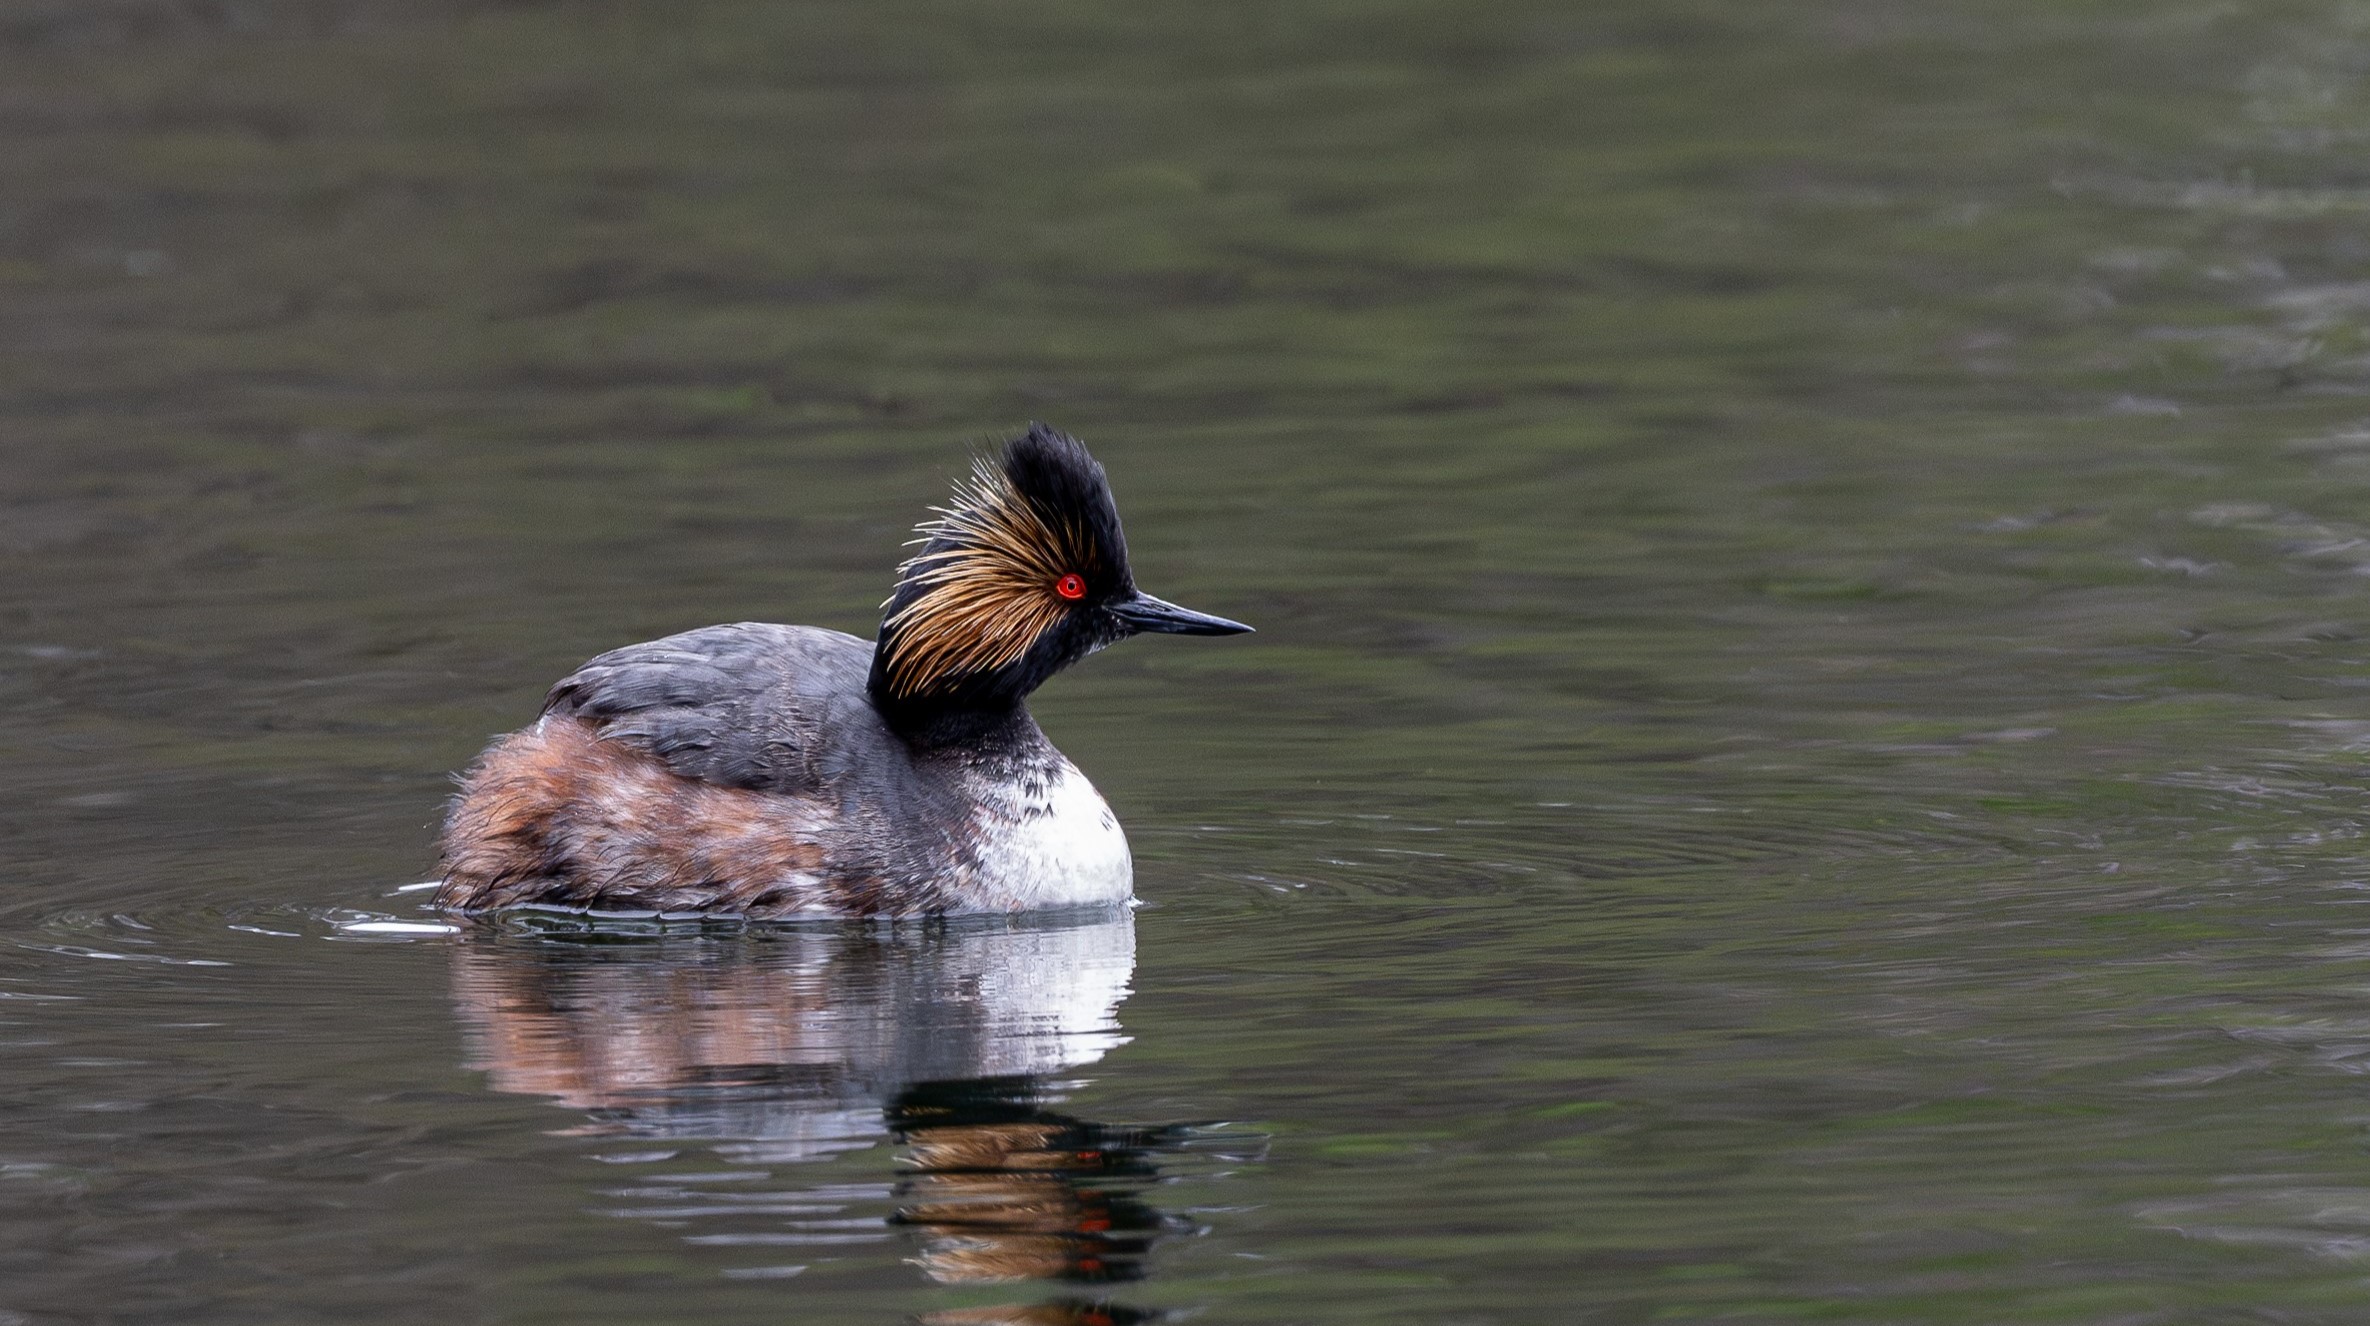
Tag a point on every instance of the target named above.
point(739, 706)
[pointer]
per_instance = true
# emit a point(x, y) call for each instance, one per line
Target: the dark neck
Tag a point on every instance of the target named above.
point(992, 726)
point(983, 710)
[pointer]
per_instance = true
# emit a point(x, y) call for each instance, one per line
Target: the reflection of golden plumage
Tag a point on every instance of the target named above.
point(1060, 1312)
point(1026, 1197)
point(1020, 1203)
point(1004, 1259)
point(1026, 1145)
point(796, 1044)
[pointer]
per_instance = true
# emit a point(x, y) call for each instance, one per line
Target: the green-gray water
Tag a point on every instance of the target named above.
point(1801, 760)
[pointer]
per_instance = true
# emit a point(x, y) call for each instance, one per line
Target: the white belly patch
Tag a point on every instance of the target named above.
point(1060, 848)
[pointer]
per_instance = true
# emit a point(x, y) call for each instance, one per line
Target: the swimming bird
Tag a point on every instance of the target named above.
point(770, 771)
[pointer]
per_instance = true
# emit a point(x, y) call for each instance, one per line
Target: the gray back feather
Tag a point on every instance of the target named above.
point(750, 705)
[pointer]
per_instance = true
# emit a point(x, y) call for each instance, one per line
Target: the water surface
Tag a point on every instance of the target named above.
point(1800, 760)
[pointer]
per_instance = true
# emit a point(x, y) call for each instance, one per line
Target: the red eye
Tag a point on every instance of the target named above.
point(1071, 586)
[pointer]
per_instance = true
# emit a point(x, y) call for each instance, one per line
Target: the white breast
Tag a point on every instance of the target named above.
point(1054, 844)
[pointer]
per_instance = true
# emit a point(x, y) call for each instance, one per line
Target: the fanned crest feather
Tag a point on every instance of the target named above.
point(989, 563)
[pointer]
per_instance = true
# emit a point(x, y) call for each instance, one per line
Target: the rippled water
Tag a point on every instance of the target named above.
point(1801, 758)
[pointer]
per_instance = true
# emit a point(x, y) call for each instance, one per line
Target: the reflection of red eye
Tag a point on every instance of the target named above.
point(1071, 586)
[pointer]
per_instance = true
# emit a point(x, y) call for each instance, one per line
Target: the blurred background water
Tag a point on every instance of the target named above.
point(1801, 760)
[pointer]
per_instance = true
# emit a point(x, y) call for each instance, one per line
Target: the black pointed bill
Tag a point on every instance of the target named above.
point(1146, 613)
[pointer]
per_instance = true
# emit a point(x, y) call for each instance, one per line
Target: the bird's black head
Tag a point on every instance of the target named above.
point(1023, 574)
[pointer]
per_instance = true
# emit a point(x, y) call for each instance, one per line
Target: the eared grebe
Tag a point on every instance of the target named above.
point(769, 771)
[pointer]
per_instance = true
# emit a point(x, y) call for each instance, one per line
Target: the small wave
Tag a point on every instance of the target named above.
point(225, 935)
point(400, 929)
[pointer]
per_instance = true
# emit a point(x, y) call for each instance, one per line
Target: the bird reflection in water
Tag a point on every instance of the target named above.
point(788, 1045)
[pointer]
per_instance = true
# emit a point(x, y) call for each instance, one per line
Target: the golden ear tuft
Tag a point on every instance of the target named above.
point(988, 577)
